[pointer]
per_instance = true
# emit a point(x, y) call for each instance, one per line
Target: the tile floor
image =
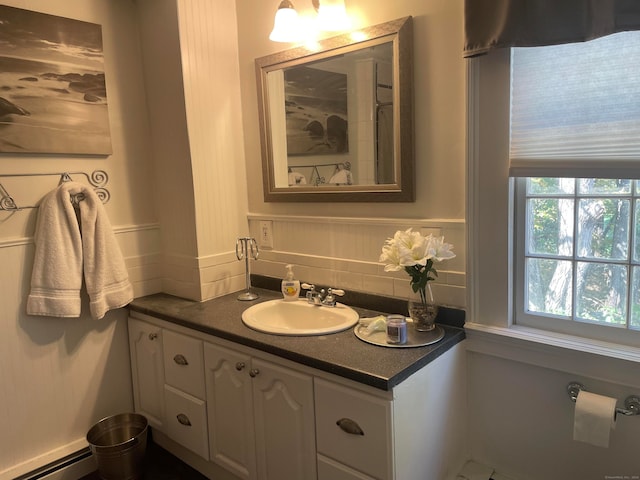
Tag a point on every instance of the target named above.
point(161, 465)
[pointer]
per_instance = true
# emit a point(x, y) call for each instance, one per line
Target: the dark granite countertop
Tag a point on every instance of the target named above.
point(340, 353)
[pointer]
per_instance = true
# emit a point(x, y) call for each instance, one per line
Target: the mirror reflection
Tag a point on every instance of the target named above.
point(322, 114)
point(331, 119)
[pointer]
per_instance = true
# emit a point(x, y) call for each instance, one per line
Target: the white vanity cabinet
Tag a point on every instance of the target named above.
point(147, 370)
point(235, 412)
point(261, 416)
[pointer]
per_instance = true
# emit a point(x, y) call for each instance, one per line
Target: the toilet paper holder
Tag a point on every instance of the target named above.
point(632, 402)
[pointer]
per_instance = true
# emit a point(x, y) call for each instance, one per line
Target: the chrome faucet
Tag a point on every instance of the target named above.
point(324, 297)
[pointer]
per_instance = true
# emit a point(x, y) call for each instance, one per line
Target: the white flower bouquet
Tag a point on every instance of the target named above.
point(415, 254)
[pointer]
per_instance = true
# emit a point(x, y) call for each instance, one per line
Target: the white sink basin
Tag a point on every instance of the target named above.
point(298, 318)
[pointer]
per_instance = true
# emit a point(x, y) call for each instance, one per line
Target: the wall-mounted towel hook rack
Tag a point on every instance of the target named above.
point(6, 201)
point(97, 179)
point(321, 173)
point(65, 177)
point(632, 402)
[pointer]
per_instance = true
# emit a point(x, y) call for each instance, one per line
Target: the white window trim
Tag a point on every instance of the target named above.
point(577, 357)
point(490, 234)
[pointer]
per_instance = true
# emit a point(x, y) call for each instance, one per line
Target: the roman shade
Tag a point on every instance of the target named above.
point(575, 109)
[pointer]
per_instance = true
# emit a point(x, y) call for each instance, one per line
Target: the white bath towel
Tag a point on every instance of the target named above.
point(64, 250)
point(342, 176)
point(297, 178)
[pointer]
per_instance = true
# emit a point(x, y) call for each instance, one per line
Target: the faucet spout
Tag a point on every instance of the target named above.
point(324, 297)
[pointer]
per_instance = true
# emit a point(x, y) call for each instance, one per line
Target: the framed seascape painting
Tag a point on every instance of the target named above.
point(53, 95)
point(316, 111)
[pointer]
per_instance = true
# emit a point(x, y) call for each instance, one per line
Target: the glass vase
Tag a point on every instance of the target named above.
point(423, 309)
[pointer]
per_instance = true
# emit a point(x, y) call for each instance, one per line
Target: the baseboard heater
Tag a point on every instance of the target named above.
point(56, 467)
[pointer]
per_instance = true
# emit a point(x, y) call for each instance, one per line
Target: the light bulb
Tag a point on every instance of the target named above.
point(332, 16)
point(285, 25)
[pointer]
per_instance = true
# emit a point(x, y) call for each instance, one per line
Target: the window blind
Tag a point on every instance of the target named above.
point(575, 109)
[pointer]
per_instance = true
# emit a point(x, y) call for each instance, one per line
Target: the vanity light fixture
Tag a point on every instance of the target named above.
point(331, 17)
point(286, 24)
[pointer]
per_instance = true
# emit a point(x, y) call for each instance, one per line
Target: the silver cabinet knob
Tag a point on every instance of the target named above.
point(254, 372)
point(153, 336)
point(240, 366)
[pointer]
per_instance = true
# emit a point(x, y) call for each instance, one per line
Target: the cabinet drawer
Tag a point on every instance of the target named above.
point(186, 420)
point(183, 363)
point(369, 451)
point(331, 470)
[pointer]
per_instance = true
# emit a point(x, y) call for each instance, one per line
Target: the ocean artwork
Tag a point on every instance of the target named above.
point(316, 111)
point(53, 95)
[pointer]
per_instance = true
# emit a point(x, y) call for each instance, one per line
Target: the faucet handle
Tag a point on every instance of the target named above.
point(308, 286)
point(330, 298)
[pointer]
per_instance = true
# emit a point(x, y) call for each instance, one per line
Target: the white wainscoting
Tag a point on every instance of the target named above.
point(61, 375)
point(202, 278)
point(344, 252)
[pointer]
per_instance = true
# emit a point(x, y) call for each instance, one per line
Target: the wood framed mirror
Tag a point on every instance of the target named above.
point(336, 118)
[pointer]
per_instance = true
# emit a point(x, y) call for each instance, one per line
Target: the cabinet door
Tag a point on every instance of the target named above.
point(145, 347)
point(230, 410)
point(284, 422)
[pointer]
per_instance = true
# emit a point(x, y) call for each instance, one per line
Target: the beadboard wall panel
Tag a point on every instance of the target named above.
point(344, 253)
point(59, 375)
point(202, 278)
point(196, 116)
point(172, 173)
point(210, 73)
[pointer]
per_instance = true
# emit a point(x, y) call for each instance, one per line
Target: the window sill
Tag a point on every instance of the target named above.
point(575, 355)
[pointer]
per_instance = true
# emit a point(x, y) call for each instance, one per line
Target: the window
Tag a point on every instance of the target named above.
point(575, 155)
point(581, 256)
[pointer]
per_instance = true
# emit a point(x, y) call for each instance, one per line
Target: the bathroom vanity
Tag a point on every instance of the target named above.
point(236, 403)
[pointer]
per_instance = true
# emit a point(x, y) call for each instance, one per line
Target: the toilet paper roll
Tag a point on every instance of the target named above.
point(595, 417)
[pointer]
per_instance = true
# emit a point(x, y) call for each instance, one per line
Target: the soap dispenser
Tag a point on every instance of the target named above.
point(290, 286)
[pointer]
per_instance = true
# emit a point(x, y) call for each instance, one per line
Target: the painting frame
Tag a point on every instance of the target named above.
point(53, 93)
